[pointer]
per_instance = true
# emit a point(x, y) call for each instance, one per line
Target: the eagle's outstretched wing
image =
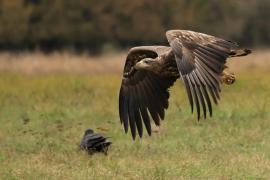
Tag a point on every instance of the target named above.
point(200, 60)
point(143, 92)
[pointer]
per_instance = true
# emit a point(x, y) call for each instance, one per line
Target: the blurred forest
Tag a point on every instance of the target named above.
point(93, 25)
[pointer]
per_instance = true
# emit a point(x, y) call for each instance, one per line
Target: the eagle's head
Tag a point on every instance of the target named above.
point(147, 64)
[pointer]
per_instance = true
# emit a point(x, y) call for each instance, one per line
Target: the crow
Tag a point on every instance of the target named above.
point(93, 142)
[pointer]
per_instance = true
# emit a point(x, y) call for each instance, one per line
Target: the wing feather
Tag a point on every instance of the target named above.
point(137, 114)
point(123, 108)
point(199, 89)
point(188, 90)
point(131, 114)
point(195, 91)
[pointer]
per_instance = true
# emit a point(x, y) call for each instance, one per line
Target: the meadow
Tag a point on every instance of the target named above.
point(47, 102)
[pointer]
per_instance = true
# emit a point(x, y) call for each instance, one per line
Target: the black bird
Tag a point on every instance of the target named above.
point(197, 59)
point(92, 142)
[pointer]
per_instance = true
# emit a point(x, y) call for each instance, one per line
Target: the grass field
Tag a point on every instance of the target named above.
point(43, 117)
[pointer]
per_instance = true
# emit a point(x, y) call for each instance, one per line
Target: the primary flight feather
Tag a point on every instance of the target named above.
point(196, 58)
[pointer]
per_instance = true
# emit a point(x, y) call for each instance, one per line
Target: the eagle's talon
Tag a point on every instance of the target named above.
point(228, 78)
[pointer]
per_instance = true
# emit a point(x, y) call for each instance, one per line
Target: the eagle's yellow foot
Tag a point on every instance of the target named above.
point(227, 78)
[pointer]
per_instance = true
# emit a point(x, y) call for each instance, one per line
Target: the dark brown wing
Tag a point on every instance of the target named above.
point(143, 93)
point(200, 60)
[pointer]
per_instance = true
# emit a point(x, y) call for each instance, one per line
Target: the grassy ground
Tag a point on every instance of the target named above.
point(43, 118)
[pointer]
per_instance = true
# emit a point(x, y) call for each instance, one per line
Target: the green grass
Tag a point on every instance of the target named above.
point(43, 119)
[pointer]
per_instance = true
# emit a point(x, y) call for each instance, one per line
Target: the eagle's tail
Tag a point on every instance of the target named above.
point(240, 52)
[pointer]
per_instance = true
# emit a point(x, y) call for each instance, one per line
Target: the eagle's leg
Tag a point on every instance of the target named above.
point(227, 77)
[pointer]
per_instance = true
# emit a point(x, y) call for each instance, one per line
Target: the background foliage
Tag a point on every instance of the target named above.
point(93, 25)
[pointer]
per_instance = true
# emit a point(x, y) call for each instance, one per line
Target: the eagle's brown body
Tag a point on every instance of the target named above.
point(198, 59)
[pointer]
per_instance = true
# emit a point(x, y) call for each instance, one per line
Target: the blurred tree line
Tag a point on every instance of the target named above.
point(93, 24)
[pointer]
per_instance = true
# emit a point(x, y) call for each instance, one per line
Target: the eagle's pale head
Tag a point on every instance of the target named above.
point(147, 64)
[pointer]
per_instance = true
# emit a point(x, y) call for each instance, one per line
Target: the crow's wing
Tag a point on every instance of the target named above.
point(200, 60)
point(143, 92)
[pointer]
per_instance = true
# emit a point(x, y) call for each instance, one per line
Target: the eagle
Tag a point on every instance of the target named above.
point(198, 59)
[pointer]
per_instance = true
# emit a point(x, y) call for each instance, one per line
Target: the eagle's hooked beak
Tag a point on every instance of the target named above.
point(139, 65)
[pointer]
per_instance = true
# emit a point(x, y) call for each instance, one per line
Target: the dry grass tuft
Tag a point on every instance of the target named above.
point(39, 63)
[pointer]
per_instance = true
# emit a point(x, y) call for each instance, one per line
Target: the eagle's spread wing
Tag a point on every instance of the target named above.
point(142, 92)
point(200, 60)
